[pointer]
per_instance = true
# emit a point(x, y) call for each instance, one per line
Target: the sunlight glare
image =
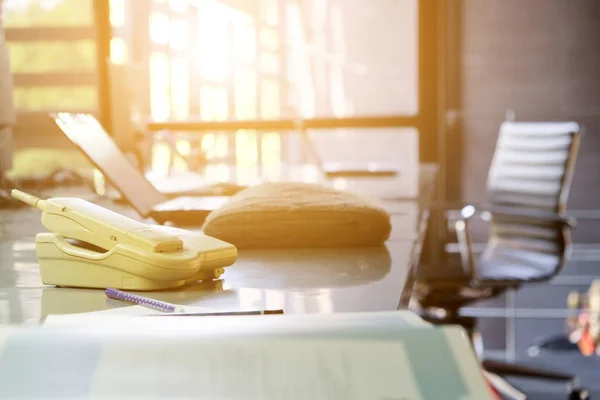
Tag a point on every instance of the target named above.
point(161, 158)
point(99, 182)
point(222, 146)
point(118, 51)
point(269, 38)
point(207, 103)
point(184, 147)
point(269, 100)
point(179, 5)
point(217, 172)
point(245, 146)
point(160, 106)
point(117, 13)
point(221, 104)
point(269, 63)
point(245, 43)
point(180, 87)
point(245, 94)
point(159, 28)
point(270, 11)
point(214, 41)
point(208, 144)
point(179, 35)
point(250, 298)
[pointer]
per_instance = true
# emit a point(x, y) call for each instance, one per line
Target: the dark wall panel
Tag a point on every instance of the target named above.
point(541, 60)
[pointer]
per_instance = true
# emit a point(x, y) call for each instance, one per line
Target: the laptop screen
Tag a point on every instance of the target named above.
point(89, 136)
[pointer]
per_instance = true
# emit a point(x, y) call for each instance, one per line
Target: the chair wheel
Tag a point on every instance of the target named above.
point(579, 394)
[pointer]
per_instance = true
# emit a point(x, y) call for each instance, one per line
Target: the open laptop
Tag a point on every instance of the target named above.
point(188, 183)
point(89, 136)
point(347, 170)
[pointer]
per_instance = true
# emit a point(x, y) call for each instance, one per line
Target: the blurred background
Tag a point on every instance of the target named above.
point(218, 61)
point(440, 75)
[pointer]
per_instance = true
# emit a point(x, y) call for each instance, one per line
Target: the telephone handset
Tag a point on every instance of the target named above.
point(90, 246)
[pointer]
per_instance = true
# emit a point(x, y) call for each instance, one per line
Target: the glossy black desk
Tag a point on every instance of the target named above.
point(301, 281)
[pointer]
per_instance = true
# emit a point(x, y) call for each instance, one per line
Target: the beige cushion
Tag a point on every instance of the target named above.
point(298, 215)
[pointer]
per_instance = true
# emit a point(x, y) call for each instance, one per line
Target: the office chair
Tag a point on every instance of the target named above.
point(530, 238)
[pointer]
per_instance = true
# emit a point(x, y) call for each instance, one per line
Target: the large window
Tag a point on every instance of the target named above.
point(44, 69)
point(222, 64)
point(269, 59)
point(289, 59)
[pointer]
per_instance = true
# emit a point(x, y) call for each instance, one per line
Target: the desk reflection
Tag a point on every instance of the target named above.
point(309, 268)
point(59, 300)
point(298, 281)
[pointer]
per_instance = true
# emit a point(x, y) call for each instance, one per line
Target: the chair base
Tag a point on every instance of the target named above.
point(554, 343)
point(508, 369)
point(516, 370)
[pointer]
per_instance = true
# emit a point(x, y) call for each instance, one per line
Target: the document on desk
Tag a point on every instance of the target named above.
point(266, 369)
point(212, 358)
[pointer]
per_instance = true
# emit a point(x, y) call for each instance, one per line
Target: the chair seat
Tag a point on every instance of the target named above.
point(498, 269)
point(516, 265)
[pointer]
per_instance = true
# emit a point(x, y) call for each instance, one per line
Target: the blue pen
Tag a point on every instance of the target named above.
point(143, 301)
point(230, 313)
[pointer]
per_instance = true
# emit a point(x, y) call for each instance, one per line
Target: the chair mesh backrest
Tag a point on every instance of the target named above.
point(532, 168)
point(533, 165)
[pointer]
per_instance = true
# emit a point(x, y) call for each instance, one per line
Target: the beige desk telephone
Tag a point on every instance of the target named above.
point(92, 247)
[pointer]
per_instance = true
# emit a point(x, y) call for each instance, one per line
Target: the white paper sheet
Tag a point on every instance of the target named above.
point(269, 369)
point(124, 355)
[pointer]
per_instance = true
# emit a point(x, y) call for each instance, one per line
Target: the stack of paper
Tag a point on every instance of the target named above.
point(388, 355)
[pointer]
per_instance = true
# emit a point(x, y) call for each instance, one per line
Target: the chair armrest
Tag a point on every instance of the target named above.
point(466, 212)
point(453, 205)
point(465, 245)
point(472, 211)
point(461, 228)
point(453, 211)
point(467, 257)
